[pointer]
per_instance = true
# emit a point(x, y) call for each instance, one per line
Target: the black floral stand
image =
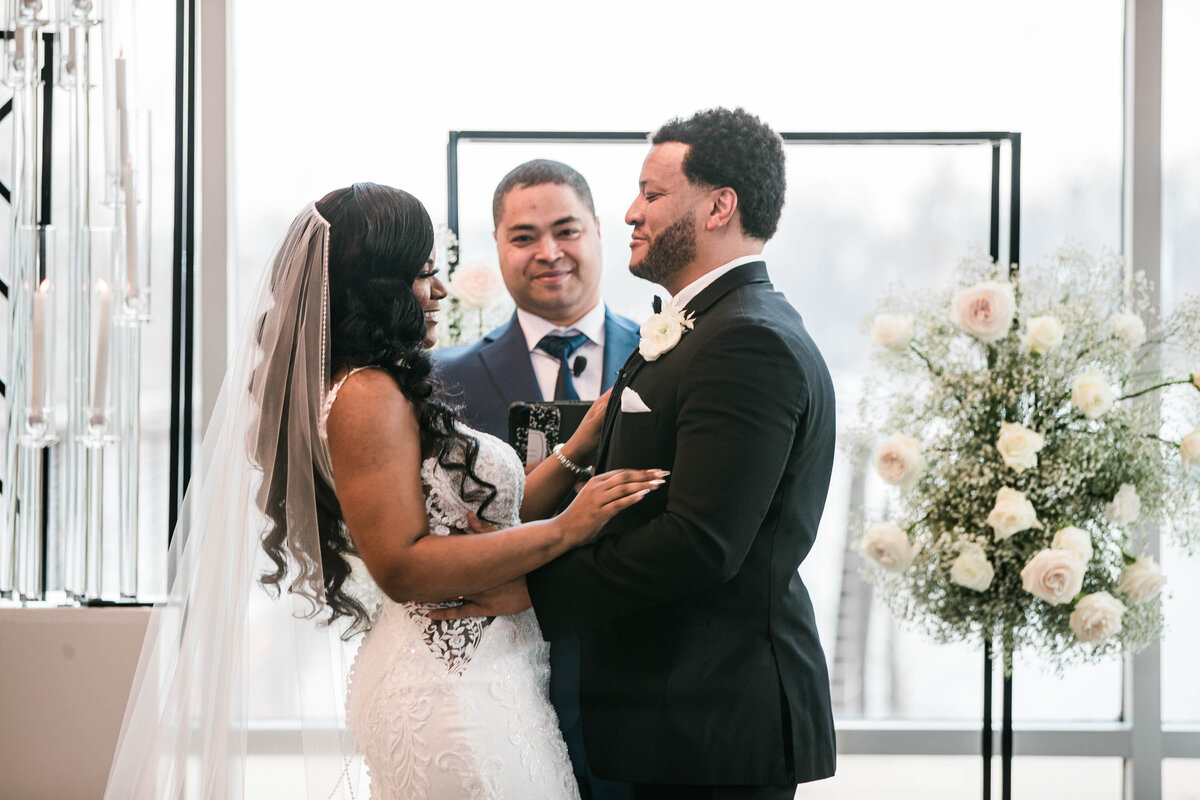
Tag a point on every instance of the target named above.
point(1006, 728)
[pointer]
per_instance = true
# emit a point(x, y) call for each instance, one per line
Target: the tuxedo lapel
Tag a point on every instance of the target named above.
point(506, 358)
point(632, 365)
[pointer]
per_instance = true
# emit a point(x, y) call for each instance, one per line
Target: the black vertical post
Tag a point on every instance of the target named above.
point(986, 742)
point(452, 182)
point(1006, 732)
point(183, 249)
point(994, 211)
point(177, 256)
point(189, 264)
point(44, 221)
point(1014, 223)
point(1014, 257)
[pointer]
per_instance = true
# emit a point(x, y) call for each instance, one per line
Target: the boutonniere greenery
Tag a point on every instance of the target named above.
point(662, 331)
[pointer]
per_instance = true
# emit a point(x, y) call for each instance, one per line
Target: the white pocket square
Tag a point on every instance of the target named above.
point(631, 403)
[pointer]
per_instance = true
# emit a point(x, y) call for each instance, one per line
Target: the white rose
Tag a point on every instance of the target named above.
point(1097, 617)
point(1129, 329)
point(477, 284)
point(972, 568)
point(1042, 334)
point(888, 546)
point(893, 331)
point(1074, 540)
point(1125, 507)
point(1019, 446)
point(899, 460)
point(1142, 580)
point(662, 331)
point(1091, 394)
point(984, 310)
point(1055, 576)
point(1189, 449)
point(1012, 514)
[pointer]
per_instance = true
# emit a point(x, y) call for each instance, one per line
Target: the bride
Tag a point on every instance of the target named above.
point(330, 444)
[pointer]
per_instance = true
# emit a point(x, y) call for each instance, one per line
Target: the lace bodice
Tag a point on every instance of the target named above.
point(450, 494)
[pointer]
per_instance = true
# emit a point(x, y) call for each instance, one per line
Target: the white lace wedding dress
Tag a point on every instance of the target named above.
point(458, 709)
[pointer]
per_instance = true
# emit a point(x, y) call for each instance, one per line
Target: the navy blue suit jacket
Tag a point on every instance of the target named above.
point(489, 375)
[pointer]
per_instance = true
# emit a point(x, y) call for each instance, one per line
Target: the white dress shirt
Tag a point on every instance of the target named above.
point(685, 295)
point(545, 366)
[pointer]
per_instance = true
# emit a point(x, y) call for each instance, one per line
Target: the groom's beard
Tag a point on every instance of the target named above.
point(669, 252)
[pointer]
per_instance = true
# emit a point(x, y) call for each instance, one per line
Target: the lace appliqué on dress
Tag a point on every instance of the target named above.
point(455, 641)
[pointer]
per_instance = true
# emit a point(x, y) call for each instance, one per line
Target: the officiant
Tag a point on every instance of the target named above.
point(562, 343)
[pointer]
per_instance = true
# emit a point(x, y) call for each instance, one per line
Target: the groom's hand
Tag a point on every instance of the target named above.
point(511, 598)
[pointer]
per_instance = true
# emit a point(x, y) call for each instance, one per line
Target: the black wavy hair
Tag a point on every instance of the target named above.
point(379, 240)
point(738, 150)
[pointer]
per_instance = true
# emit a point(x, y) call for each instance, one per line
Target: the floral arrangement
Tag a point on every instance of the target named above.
point(478, 300)
point(1021, 434)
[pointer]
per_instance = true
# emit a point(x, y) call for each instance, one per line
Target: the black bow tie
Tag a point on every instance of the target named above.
point(656, 304)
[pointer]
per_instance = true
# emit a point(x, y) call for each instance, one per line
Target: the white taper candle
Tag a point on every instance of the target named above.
point(100, 374)
point(37, 361)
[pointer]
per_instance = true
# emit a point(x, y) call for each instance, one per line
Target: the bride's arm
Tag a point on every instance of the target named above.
point(374, 441)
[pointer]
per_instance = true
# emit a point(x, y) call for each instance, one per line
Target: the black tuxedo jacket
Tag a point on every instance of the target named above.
point(700, 657)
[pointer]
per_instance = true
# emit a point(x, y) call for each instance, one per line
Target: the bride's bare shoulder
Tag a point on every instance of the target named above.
point(369, 400)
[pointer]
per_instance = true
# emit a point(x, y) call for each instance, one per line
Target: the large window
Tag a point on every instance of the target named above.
point(373, 87)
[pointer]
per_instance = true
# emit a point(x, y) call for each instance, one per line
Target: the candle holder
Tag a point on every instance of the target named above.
point(99, 430)
point(128, 369)
point(21, 62)
point(131, 253)
point(20, 538)
point(39, 428)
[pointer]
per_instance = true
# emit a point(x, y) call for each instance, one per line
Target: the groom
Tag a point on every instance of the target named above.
point(702, 675)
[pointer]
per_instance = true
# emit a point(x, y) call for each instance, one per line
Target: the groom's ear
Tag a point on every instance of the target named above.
point(724, 202)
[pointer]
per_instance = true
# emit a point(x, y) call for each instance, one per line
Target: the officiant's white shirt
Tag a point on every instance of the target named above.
point(684, 296)
point(545, 366)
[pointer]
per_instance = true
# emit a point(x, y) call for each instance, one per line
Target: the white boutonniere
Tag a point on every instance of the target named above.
point(662, 331)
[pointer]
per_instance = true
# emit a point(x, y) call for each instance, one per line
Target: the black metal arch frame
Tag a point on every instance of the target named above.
point(857, 138)
point(994, 138)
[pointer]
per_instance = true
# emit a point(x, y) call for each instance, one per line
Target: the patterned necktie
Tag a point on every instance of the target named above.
point(561, 347)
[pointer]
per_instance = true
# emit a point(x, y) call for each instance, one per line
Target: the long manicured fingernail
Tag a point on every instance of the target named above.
point(663, 472)
point(658, 482)
point(642, 492)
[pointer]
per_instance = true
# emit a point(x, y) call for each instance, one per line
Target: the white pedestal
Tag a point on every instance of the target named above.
point(65, 675)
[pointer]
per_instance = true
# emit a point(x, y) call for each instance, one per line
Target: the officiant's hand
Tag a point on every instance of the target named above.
point(511, 598)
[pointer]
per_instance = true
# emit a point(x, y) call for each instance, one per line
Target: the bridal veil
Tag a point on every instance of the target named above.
point(227, 668)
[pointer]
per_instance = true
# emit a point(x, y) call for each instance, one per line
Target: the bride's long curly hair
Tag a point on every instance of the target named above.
point(379, 240)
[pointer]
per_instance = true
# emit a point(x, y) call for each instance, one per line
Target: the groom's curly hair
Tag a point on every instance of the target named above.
point(379, 241)
point(738, 150)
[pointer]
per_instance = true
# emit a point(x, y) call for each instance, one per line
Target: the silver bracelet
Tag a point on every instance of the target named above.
point(568, 463)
